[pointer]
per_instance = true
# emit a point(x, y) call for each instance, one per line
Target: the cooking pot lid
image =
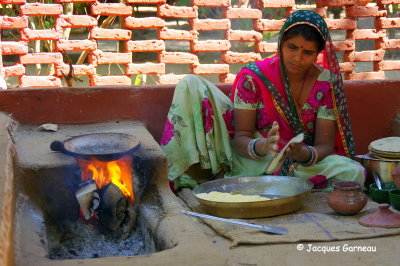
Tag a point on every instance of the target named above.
point(383, 217)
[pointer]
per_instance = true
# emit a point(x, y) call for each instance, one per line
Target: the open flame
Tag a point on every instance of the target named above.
point(118, 172)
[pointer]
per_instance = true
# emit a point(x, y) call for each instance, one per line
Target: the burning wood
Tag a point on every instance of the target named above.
point(106, 191)
point(113, 206)
point(86, 197)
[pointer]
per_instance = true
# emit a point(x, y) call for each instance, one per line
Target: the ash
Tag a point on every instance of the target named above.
point(83, 241)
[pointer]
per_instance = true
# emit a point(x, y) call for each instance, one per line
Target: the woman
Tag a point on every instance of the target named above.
point(271, 101)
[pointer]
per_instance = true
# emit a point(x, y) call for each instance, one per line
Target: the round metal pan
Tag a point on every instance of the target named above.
point(287, 195)
point(102, 146)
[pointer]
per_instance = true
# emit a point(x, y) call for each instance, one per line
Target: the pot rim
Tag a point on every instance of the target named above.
point(347, 185)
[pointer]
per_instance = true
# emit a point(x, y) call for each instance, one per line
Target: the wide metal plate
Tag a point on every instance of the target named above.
point(287, 193)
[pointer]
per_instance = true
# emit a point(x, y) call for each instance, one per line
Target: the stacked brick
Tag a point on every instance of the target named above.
point(196, 25)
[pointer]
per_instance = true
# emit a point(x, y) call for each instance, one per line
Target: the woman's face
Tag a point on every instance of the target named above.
point(298, 54)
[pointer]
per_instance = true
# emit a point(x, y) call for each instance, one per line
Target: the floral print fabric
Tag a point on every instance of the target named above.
point(318, 104)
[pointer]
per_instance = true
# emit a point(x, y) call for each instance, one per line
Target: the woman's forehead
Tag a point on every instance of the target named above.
point(300, 41)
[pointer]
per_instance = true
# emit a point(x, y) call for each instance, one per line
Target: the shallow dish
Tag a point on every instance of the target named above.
point(287, 195)
point(381, 195)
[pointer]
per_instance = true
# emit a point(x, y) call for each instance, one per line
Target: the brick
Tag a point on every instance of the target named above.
point(215, 3)
point(320, 11)
point(365, 11)
point(269, 24)
point(145, 46)
point(76, 45)
point(178, 58)
point(15, 70)
point(240, 58)
point(277, 3)
point(389, 65)
point(387, 23)
point(368, 34)
point(146, 1)
point(177, 12)
point(41, 58)
point(76, 1)
point(321, 3)
point(36, 9)
point(169, 34)
point(210, 24)
point(209, 69)
point(144, 23)
point(9, 48)
point(346, 67)
point(97, 57)
point(366, 56)
point(110, 80)
point(347, 45)
point(110, 34)
point(211, 46)
point(146, 68)
point(113, 9)
point(16, 2)
point(244, 13)
point(40, 81)
point(244, 36)
point(392, 44)
point(76, 21)
point(29, 34)
point(265, 47)
point(227, 78)
point(367, 75)
point(14, 22)
point(170, 78)
point(341, 24)
point(388, 2)
point(84, 70)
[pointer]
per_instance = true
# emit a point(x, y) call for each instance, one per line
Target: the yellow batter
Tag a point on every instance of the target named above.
point(228, 197)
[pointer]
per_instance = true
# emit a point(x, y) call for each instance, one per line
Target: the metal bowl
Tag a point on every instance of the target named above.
point(287, 195)
point(382, 167)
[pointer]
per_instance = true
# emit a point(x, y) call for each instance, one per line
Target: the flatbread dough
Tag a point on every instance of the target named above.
point(228, 197)
point(277, 161)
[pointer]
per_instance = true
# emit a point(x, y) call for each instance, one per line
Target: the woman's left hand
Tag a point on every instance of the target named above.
point(297, 151)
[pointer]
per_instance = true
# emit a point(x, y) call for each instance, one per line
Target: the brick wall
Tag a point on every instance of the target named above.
point(172, 27)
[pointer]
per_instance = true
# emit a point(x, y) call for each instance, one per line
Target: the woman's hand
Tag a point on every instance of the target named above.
point(269, 145)
point(298, 152)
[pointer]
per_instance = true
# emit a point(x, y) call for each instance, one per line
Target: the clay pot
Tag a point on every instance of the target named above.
point(396, 175)
point(347, 197)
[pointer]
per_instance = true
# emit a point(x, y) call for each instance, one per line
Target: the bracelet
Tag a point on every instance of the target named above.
point(251, 150)
point(313, 159)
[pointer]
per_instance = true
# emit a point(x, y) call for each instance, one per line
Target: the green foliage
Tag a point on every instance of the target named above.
point(9, 10)
point(140, 79)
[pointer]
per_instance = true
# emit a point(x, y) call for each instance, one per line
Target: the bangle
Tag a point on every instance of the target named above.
point(251, 150)
point(313, 158)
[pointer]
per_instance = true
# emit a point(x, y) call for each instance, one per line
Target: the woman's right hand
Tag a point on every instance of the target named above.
point(269, 145)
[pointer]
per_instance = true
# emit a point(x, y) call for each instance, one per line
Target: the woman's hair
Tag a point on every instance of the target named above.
point(309, 33)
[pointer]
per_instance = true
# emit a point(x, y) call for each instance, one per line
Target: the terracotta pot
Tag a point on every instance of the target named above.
point(396, 175)
point(347, 197)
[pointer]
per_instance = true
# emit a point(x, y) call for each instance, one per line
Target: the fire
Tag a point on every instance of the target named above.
point(117, 172)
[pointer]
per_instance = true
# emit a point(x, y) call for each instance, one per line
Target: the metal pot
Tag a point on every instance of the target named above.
point(382, 167)
point(101, 146)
